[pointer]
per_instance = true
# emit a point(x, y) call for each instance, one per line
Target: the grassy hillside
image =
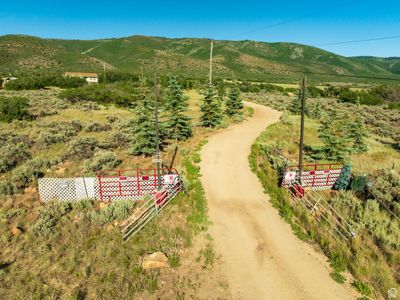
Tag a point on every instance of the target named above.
point(188, 56)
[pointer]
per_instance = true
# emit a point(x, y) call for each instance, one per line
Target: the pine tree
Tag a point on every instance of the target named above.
point(211, 109)
point(177, 124)
point(143, 125)
point(333, 133)
point(234, 104)
point(295, 106)
point(357, 134)
point(221, 90)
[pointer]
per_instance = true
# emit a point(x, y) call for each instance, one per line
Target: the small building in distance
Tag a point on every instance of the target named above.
point(6, 80)
point(89, 77)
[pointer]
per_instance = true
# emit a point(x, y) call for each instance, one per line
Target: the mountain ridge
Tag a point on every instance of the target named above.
point(244, 59)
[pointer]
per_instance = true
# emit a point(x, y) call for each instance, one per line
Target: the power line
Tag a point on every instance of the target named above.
point(297, 18)
point(359, 41)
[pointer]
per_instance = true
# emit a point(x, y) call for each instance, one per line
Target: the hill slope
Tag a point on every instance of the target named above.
point(186, 56)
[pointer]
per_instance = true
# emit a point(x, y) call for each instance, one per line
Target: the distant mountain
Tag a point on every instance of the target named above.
point(187, 56)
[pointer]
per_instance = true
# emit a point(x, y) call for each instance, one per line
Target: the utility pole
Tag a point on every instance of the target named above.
point(211, 57)
point(303, 104)
point(158, 155)
point(105, 74)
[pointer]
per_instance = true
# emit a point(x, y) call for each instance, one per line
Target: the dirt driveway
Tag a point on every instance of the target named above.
point(261, 257)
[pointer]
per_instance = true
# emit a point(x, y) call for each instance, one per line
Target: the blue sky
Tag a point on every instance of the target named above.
point(212, 19)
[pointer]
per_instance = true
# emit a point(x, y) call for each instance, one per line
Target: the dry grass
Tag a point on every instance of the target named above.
point(82, 260)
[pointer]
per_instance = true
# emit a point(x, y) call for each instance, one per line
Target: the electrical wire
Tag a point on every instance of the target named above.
point(359, 41)
point(296, 19)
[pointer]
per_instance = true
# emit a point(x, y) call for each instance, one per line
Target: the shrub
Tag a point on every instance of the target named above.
point(363, 288)
point(29, 172)
point(117, 210)
point(101, 93)
point(7, 188)
point(102, 160)
point(82, 147)
point(14, 108)
point(112, 118)
point(344, 178)
point(11, 155)
point(49, 215)
point(40, 81)
point(59, 132)
point(97, 126)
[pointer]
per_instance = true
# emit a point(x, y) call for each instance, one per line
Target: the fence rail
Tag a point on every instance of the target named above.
point(108, 186)
point(314, 176)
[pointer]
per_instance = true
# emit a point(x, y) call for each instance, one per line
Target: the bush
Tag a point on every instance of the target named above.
point(102, 160)
point(112, 118)
point(97, 126)
point(49, 215)
point(363, 288)
point(40, 81)
point(7, 188)
point(117, 210)
point(83, 147)
point(29, 172)
point(344, 178)
point(11, 155)
point(14, 108)
point(101, 93)
point(59, 132)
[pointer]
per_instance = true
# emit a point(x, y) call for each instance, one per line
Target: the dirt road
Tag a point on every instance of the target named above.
point(261, 256)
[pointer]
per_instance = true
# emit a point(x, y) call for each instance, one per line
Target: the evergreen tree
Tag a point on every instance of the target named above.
point(358, 135)
point(221, 90)
point(211, 109)
point(295, 106)
point(333, 133)
point(234, 104)
point(143, 125)
point(177, 124)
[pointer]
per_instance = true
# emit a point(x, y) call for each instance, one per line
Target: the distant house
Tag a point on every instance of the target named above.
point(89, 77)
point(6, 80)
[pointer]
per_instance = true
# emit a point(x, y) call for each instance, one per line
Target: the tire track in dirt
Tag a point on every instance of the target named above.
point(261, 257)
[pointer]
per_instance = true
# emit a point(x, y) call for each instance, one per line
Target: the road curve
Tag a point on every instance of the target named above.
point(261, 257)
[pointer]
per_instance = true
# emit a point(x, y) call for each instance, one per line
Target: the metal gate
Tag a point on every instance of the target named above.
point(132, 184)
point(314, 176)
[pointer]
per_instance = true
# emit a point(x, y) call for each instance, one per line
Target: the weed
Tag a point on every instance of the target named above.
point(339, 278)
point(174, 260)
point(361, 287)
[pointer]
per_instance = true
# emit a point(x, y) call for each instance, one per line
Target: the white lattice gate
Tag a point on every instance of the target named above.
point(107, 186)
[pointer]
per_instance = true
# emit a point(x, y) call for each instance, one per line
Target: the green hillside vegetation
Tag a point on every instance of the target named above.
point(188, 57)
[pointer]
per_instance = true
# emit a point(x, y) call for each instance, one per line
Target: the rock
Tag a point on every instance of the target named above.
point(30, 190)
point(60, 171)
point(16, 230)
point(155, 260)
point(103, 205)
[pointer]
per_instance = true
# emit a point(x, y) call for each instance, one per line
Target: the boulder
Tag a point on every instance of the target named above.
point(103, 205)
point(16, 230)
point(155, 260)
point(61, 171)
point(30, 190)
